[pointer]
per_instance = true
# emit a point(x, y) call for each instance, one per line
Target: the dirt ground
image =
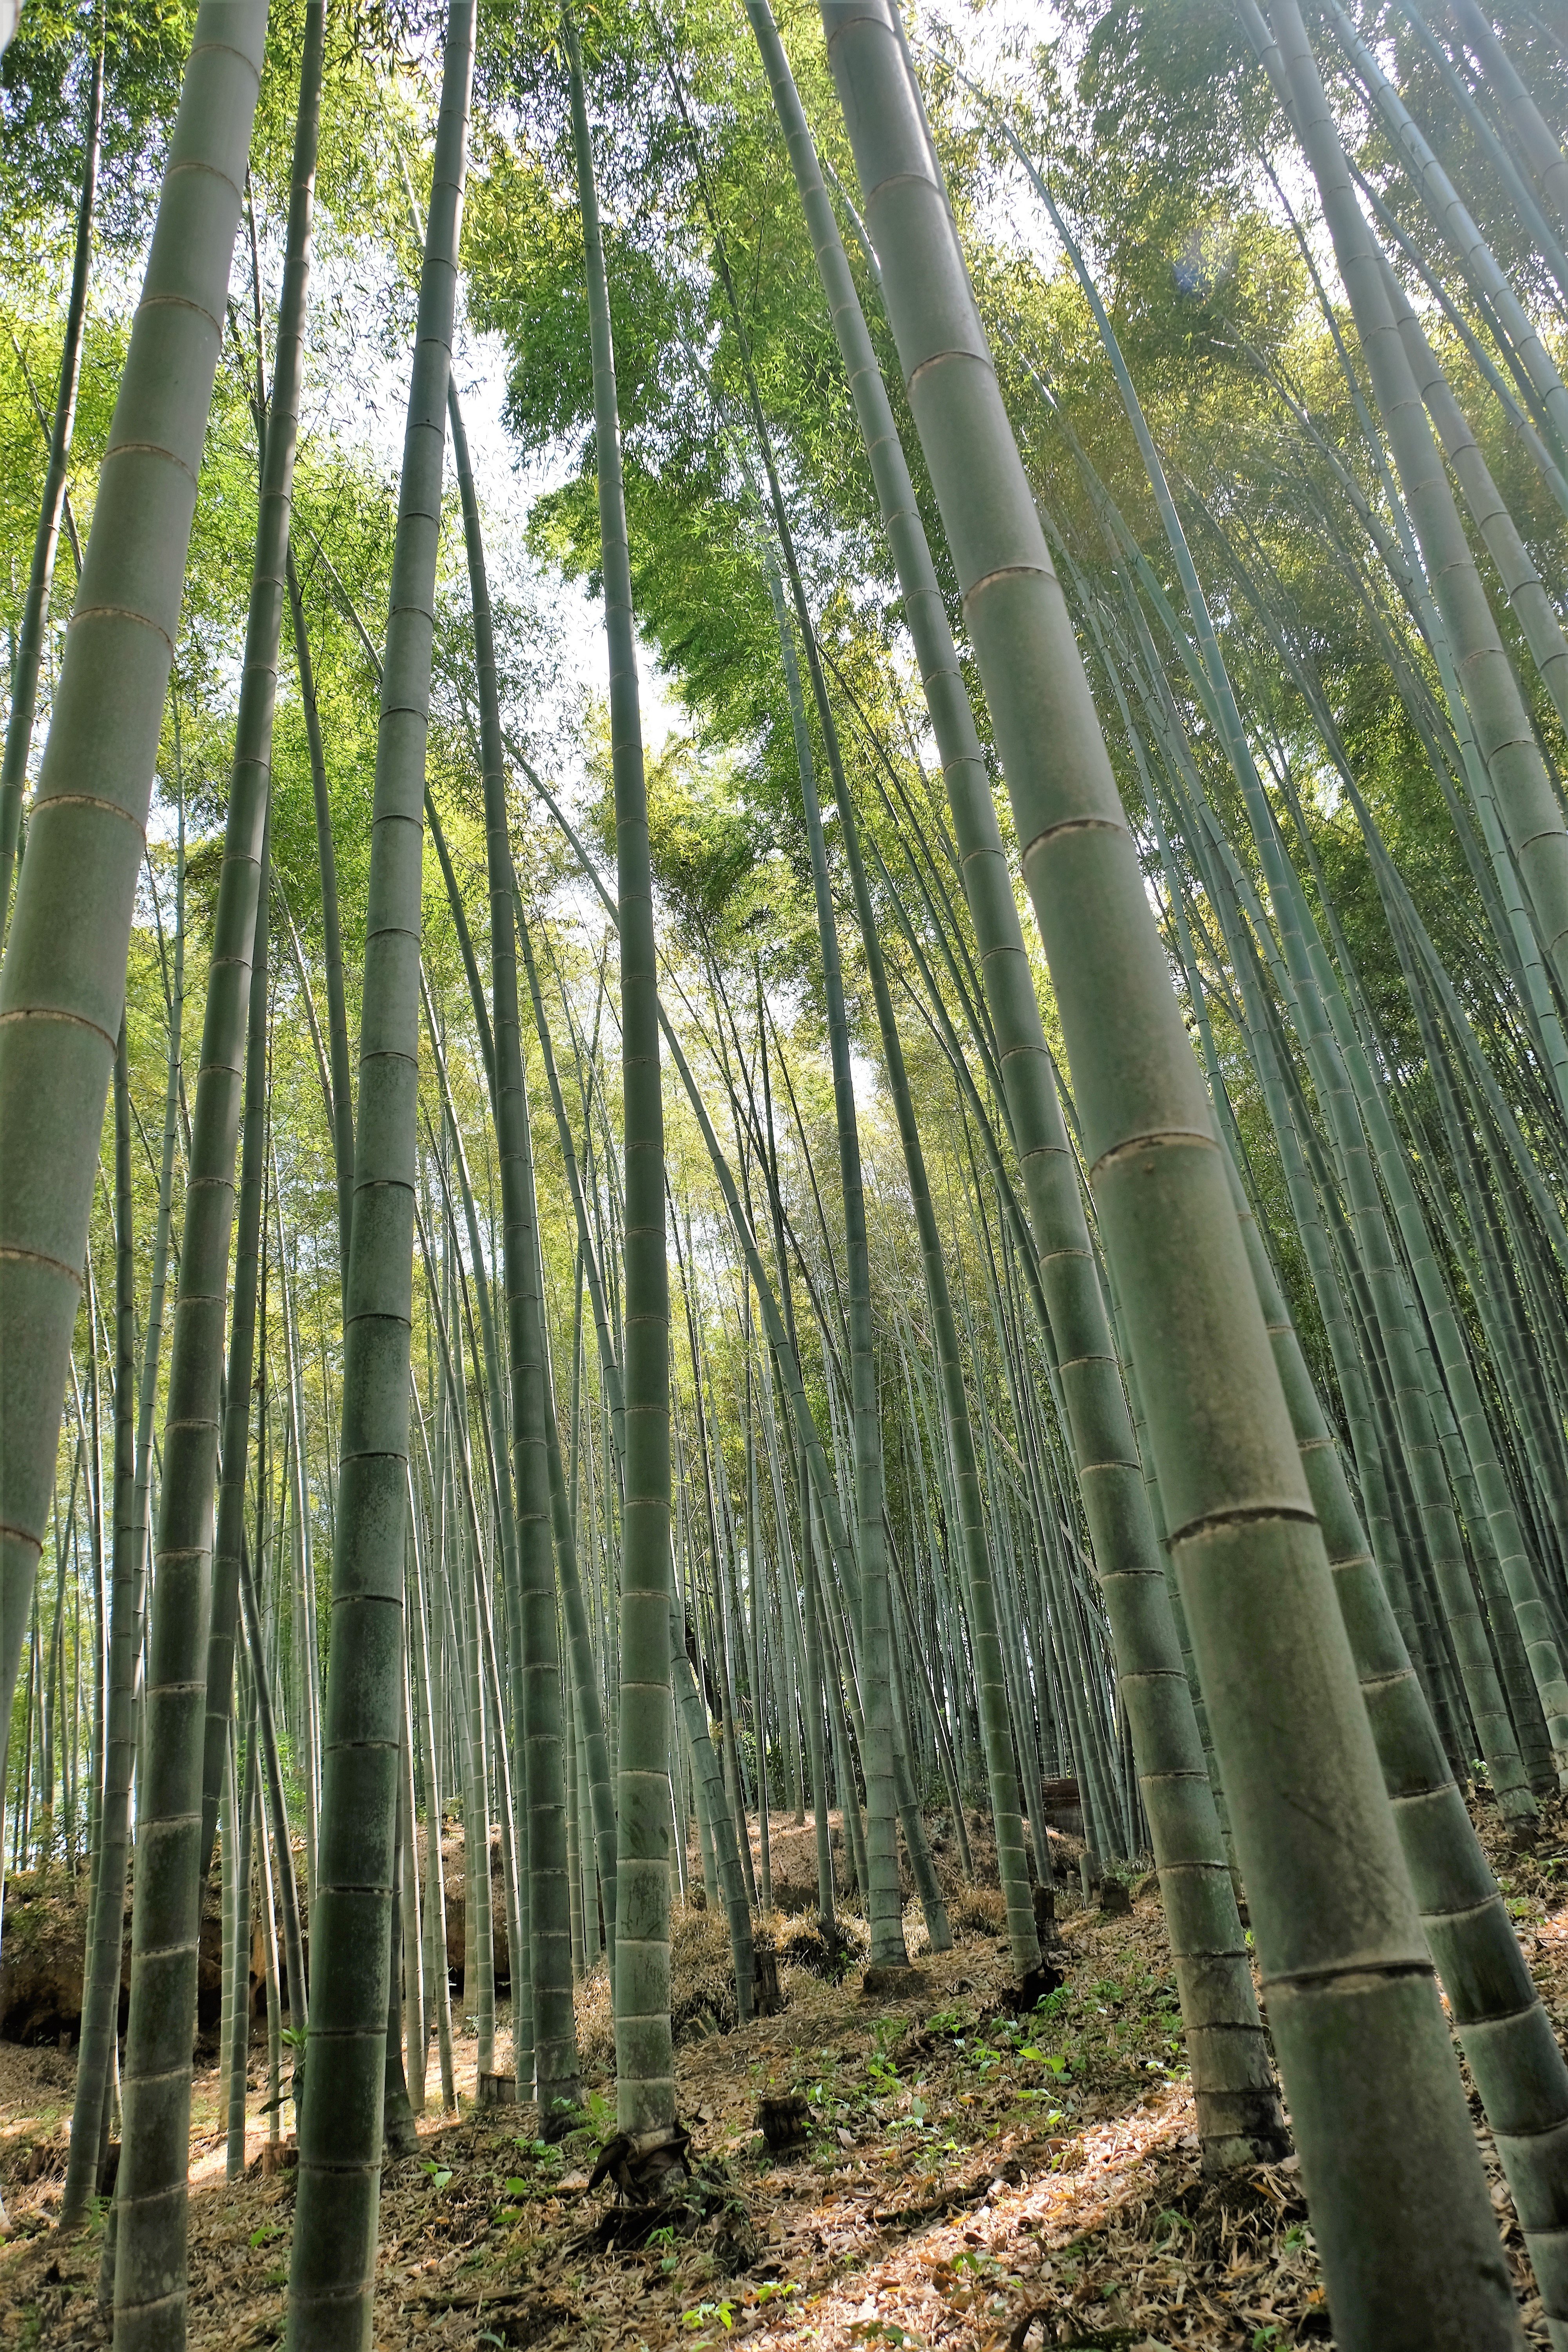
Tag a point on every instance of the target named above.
point(969, 2182)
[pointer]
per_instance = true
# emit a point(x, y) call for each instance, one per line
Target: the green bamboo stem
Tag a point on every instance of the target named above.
point(1454, 221)
point(550, 1885)
point(1548, 165)
point(1503, 2029)
point(643, 2068)
point(399, 2133)
point(609, 1365)
point(29, 647)
point(234, 1456)
point(883, 1805)
point(1525, 420)
point(1194, 1874)
point(417, 2038)
point(342, 1096)
point(715, 1803)
point(1363, 2052)
point(332, 2260)
point(1526, 803)
point(1515, 569)
point(288, 1897)
point(65, 960)
point(237, 2046)
point(435, 1876)
point(229, 1906)
point(1007, 1826)
point(473, 1656)
point(150, 2281)
point(101, 1996)
point(584, 1676)
point(1516, 189)
point(151, 2196)
point(1357, 1118)
point(884, 1901)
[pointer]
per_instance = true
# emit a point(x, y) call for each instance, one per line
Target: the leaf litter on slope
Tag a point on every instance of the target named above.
point(970, 2181)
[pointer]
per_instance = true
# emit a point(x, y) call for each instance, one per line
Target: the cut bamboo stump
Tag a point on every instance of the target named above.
point(784, 2121)
point(767, 1999)
point(891, 1984)
point(498, 2089)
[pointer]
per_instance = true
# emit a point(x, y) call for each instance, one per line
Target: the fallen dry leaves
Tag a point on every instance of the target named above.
point(968, 2183)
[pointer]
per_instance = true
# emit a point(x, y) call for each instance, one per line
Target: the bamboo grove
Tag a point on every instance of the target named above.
point(937, 1164)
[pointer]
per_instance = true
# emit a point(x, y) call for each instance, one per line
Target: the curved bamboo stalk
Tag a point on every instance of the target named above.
point(234, 1457)
point(584, 1676)
point(276, 1798)
point(884, 1902)
point(1527, 598)
point(341, 1097)
point(540, 1729)
point(236, 2046)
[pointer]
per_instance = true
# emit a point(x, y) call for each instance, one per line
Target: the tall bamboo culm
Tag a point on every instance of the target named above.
point(644, 2084)
point(541, 1785)
point(1237, 2106)
point(62, 986)
point(253, 753)
point(151, 2192)
point(100, 1991)
point(331, 2268)
point(29, 651)
point(1400, 2206)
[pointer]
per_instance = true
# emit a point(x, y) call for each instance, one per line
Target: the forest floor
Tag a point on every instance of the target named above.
point(969, 2182)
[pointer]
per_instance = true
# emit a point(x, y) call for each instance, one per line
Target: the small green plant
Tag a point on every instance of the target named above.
point(1059, 2066)
point(441, 2174)
point(701, 2313)
point(974, 2261)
